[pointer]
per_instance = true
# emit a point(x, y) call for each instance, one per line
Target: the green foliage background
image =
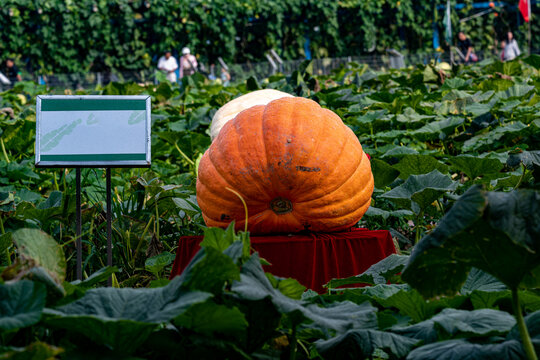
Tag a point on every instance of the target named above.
point(67, 35)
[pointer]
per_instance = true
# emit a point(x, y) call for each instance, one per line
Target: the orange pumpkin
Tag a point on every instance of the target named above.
point(297, 166)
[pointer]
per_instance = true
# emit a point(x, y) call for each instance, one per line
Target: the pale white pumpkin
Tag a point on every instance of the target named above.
point(232, 108)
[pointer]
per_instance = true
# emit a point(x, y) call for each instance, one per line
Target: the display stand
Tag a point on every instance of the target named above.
point(311, 258)
point(93, 132)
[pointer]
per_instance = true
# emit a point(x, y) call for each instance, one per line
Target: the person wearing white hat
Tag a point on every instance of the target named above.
point(188, 63)
point(168, 64)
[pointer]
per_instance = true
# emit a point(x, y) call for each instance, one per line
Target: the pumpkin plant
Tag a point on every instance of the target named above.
point(496, 232)
point(297, 166)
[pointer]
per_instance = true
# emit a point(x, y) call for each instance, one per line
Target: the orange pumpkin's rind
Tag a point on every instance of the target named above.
point(297, 166)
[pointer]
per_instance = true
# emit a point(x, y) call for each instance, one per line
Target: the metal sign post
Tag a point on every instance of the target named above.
point(93, 132)
point(78, 216)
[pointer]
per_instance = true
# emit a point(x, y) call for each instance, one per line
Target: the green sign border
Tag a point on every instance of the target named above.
point(94, 157)
point(91, 105)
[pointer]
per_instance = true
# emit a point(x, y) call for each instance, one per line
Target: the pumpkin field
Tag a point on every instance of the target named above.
point(455, 158)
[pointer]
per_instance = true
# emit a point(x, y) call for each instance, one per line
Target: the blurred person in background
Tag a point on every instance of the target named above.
point(466, 47)
point(168, 64)
point(511, 50)
point(11, 71)
point(225, 77)
point(188, 63)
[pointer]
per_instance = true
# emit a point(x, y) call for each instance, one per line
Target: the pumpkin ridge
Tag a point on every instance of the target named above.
point(275, 182)
point(297, 191)
point(340, 186)
point(353, 200)
point(254, 176)
point(330, 173)
point(231, 186)
point(231, 201)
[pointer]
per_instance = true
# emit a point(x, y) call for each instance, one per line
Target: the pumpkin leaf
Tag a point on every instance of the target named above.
point(373, 211)
point(482, 229)
point(210, 269)
point(463, 349)
point(361, 344)
point(484, 140)
point(451, 323)
point(437, 129)
point(409, 301)
point(528, 158)
point(35, 350)
point(21, 304)
point(212, 319)
point(43, 249)
point(383, 174)
point(123, 318)
point(339, 316)
point(157, 263)
point(474, 166)
point(379, 273)
point(421, 189)
point(533, 60)
point(479, 280)
point(419, 164)
point(399, 151)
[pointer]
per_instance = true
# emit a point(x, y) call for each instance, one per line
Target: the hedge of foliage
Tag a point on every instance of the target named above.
point(67, 36)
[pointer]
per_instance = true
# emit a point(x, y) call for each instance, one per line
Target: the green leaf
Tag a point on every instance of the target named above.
point(21, 304)
point(399, 151)
point(434, 130)
point(479, 280)
point(123, 318)
point(477, 109)
point(379, 273)
point(220, 239)
point(43, 249)
point(252, 84)
point(419, 164)
point(361, 343)
point(528, 158)
point(462, 349)
point(5, 244)
point(533, 60)
point(211, 319)
point(518, 90)
point(532, 321)
point(157, 263)
point(99, 276)
point(485, 140)
point(339, 316)
point(411, 116)
point(474, 166)
point(372, 211)
point(456, 83)
point(383, 174)
point(491, 231)
point(53, 201)
point(35, 351)
point(451, 323)
point(421, 189)
point(210, 269)
point(287, 286)
point(408, 301)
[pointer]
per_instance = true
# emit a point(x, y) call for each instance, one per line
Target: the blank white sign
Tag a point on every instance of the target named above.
point(93, 131)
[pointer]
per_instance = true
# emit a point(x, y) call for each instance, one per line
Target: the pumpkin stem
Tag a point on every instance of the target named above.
point(245, 206)
point(281, 206)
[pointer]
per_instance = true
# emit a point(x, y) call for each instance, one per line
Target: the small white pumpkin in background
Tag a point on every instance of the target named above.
point(234, 107)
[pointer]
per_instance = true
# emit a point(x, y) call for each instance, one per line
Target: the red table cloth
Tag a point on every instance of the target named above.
point(312, 259)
